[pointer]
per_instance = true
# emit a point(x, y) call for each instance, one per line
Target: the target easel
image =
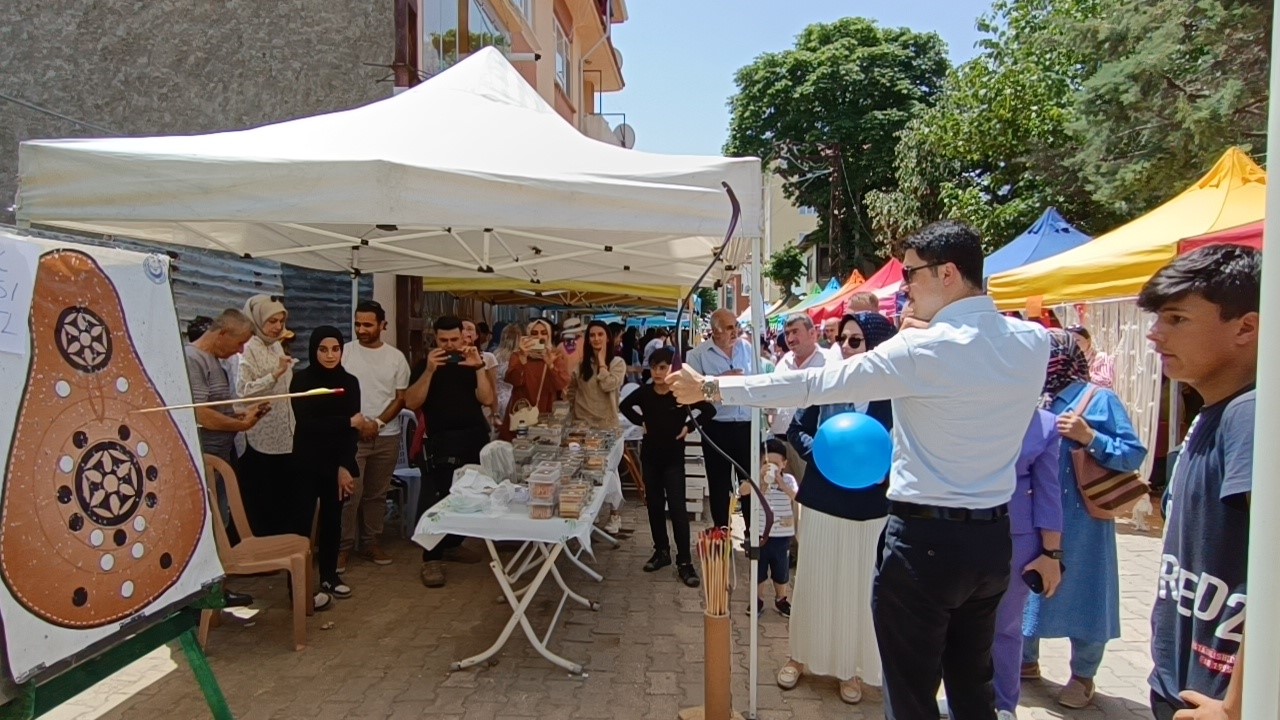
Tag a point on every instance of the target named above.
point(37, 698)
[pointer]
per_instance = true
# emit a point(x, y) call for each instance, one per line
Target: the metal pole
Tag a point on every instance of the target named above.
point(1261, 691)
point(756, 298)
point(355, 287)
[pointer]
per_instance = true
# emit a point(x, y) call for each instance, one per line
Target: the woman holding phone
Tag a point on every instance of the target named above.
point(538, 373)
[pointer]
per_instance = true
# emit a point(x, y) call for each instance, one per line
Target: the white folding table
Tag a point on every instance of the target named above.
point(544, 542)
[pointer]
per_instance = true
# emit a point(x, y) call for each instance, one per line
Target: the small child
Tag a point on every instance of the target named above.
point(779, 488)
point(666, 423)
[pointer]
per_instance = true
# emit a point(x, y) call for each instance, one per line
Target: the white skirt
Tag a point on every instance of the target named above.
point(831, 628)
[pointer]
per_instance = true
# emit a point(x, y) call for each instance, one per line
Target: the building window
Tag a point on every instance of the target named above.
point(808, 211)
point(445, 39)
point(526, 9)
point(564, 60)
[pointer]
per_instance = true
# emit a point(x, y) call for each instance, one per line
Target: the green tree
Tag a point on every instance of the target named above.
point(827, 112)
point(709, 299)
point(1171, 85)
point(992, 150)
point(785, 268)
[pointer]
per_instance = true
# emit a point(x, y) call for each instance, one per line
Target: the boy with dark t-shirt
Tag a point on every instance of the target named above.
point(452, 389)
point(666, 423)
point(1206, 332)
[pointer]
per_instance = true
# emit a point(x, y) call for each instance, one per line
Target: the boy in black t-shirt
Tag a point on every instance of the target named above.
point(1206, 333)
point(665, 423)
point(452, 390)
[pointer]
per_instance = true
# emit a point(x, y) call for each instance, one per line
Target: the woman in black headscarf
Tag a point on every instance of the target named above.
point(831, 631)
point(324, 449)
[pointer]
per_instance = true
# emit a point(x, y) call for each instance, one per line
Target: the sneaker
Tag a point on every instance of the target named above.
point(1005, 715)
point(376, 555)
point(465, 556)
point(336, 588)
point(343, 557)
point(783, 606)
point(614, 526)
point(759, 607)
point(688, 575)
point(659, 560)
point(323, 601)
point(432, 574)
point(1076, 694)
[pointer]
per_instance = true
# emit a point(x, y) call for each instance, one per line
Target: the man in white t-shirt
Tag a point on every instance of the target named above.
point(383, 373)
point(662, 339)
point(802, 338)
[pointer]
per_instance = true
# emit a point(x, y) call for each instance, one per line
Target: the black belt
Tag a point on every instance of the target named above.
point(935, 512)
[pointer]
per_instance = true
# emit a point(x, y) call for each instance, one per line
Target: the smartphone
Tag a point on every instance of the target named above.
point(539, 345)
point(454, 358)
point(1034, 580)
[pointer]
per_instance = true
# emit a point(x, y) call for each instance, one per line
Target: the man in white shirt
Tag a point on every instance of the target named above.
point(963, 390)
point(383, 373)
point(802, 338)
point(727, 355)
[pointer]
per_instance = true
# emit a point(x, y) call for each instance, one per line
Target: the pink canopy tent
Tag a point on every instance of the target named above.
point(884, 283)
point(1249, 235)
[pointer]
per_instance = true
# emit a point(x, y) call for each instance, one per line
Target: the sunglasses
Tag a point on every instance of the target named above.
point(853, 341)
point(908, 271)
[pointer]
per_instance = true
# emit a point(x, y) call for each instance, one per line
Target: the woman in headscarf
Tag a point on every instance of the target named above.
point(538, 373)
point(508, 345)
point(831, 628)
point(324, 450)
point(1086, 608)
point(266, 466)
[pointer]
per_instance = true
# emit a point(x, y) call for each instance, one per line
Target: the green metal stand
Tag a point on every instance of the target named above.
point(38, 699)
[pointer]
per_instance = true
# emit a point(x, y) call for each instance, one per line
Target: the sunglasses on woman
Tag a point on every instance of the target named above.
point(853, 341)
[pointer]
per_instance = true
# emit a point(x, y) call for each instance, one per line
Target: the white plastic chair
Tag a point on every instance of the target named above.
point(407, 475)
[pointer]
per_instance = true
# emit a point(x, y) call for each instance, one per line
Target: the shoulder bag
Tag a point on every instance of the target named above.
point(1108, 494)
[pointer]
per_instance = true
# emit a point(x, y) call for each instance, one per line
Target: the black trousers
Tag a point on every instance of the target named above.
point(664, 487)
point(1162, 708)
point(735, 439)
point(319, 485)
point(266, 486)
point(442, 454)
point(937, 586)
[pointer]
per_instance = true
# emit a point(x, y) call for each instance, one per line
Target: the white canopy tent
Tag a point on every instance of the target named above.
point(470, 175)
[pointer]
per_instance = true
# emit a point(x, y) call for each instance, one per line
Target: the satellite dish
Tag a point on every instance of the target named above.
point(626, 135)
point(617, 57)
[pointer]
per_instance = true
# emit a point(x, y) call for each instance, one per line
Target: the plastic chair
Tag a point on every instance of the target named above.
point(258, 555)
point(407, 478)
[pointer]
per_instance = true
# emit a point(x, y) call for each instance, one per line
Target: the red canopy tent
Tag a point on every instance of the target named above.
point(884, 283)
point(1248, 235)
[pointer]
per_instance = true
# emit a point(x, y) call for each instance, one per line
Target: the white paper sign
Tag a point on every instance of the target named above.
point(17, 277)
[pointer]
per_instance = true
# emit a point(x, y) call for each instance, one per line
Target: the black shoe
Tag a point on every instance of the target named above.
point(659, 560)
point(759, 607)
point(235, 599)
point(688, 575)
point(337, 588)
point(784, 606)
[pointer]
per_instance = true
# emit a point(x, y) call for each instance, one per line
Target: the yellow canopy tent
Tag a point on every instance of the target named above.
point(569, 293)
point(1117, 264)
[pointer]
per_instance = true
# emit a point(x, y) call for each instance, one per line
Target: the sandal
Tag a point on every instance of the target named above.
point(790, 674)
point(851, 691)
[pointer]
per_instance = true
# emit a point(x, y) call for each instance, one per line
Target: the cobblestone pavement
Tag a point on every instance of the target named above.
point(388, 652)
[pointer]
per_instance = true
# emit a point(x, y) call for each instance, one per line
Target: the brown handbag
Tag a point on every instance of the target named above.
point(1108, 494)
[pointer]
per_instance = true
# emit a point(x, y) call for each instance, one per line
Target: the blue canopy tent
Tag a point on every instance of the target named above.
point(1047, 236)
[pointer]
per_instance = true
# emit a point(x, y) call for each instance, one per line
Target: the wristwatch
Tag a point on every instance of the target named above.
point(710, 388)
point(1052, 554)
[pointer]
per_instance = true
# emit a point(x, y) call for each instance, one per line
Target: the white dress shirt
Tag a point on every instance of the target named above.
point(782, 416)
point(710, 360)
point(963, 391)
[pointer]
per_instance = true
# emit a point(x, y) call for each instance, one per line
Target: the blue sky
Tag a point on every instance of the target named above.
point(679, 56)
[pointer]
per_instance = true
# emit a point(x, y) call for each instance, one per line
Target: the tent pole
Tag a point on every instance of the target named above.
point(1261, 692)
point(355, 287)
point(756, 299)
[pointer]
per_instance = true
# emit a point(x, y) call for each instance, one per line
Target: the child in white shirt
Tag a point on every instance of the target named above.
point(779, 488)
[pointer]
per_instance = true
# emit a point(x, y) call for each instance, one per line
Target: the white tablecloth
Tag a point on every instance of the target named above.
point(513, 524)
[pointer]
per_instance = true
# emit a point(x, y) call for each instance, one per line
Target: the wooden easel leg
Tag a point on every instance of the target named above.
point(218, 707)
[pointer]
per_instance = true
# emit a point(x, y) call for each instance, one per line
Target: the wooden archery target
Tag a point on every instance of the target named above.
point(103, 507)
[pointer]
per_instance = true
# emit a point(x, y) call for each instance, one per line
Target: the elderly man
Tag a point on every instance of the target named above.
point(862, 302)
point(830, 329)
point(963, 390)
point(727, 355)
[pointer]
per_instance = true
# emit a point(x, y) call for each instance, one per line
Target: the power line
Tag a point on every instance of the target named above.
point(60, 116)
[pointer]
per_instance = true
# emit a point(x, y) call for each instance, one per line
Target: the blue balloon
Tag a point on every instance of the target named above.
point(853, 450)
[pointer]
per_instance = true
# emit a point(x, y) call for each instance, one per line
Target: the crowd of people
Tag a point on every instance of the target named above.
point(980, 543)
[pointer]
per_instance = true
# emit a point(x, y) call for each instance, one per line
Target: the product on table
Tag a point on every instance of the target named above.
point(541, 512)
